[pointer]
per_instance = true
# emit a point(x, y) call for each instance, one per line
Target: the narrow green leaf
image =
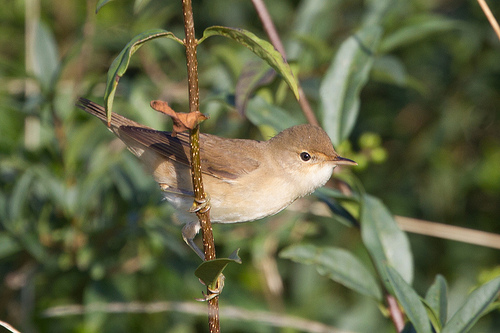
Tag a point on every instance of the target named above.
point(261, 113)
point(437, 298)
point(45, 57)
point(409, 300)
point(121, 62)
point(386, 243)
point(100, 4)
point(209, 271)
point(338, 265)
point(418, 28)
point(253, 75)
point(475, 306)
point(8, 245)
point(348, 73)
point(433, 317)
point(260, 47)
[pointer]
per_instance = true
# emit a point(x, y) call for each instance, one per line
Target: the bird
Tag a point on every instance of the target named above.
point(246, 180)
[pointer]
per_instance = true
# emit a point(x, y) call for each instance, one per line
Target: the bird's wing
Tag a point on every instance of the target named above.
point(225, 159)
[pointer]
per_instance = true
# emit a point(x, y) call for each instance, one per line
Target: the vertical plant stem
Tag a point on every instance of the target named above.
point(272, 33)
point(190, 43)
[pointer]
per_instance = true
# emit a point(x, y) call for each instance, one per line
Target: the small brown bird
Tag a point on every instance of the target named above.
point(246, 179)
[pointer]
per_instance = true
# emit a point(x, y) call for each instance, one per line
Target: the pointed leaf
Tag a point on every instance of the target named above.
point(475, 306)
point(45, 57)
point(437, 298)
point(338, 265)
point(209, 271)
point(418, 28)
point(121, 62)
point(409, 300)
point(348, 73)
point(260, 47)
point(261, 113)
point(253, 75)
point(100, 4)
point(386, 243)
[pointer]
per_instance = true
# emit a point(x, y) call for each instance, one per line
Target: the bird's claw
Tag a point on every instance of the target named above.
point(201, 206)
point(213, 292)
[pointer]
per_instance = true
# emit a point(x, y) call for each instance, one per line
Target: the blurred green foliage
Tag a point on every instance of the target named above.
point(81, 222)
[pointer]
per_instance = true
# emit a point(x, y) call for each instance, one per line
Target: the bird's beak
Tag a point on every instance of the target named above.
point(343, 161)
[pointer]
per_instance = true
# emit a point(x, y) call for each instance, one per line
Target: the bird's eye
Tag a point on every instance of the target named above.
point(305, 156)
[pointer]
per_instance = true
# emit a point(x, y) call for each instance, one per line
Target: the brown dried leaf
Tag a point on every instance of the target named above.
point(182, 121)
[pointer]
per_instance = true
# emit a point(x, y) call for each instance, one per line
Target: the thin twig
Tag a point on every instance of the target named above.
point(272, 33)
point(273, 319)
point(417, 226)
point(451, 232)
point(490, 17)
point(190, 43)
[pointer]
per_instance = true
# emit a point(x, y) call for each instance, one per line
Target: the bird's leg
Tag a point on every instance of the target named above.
point(189, 231)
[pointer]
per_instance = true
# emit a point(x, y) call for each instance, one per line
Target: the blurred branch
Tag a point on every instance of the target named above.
point(8, 327)
point(490, 17)
point(421, 227)
point(268, 24)
point(228, 312)
point(450, 232)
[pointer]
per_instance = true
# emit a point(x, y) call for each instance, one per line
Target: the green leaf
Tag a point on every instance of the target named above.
point(437, 299)
point(416, 29)
point(346, 76)
point(433, 316)
point(45, 57)
point(209, 271)
point(253, 75)
point(263, 114)
point(101, 4)
point(385, 242)
point(338, 265)
point(121, 62)
point(260, 47)
point(409, 300)
point(475, 306)
point(8, 245)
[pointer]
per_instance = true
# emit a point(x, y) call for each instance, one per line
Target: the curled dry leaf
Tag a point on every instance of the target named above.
point(182, 121)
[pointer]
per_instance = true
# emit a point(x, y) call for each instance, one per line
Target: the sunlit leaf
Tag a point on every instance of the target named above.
point(385, 242)
point(209, 271)
point(101, 4)
point(437, 298)
point(342, 84)
point(260, 47)
point(45, 57)
point(475, 307)
point(409, 300)
point(121, 62)
point(338, 265)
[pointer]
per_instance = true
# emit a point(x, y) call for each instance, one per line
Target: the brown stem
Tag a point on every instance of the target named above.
point(190, 43)
point(272, 33)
